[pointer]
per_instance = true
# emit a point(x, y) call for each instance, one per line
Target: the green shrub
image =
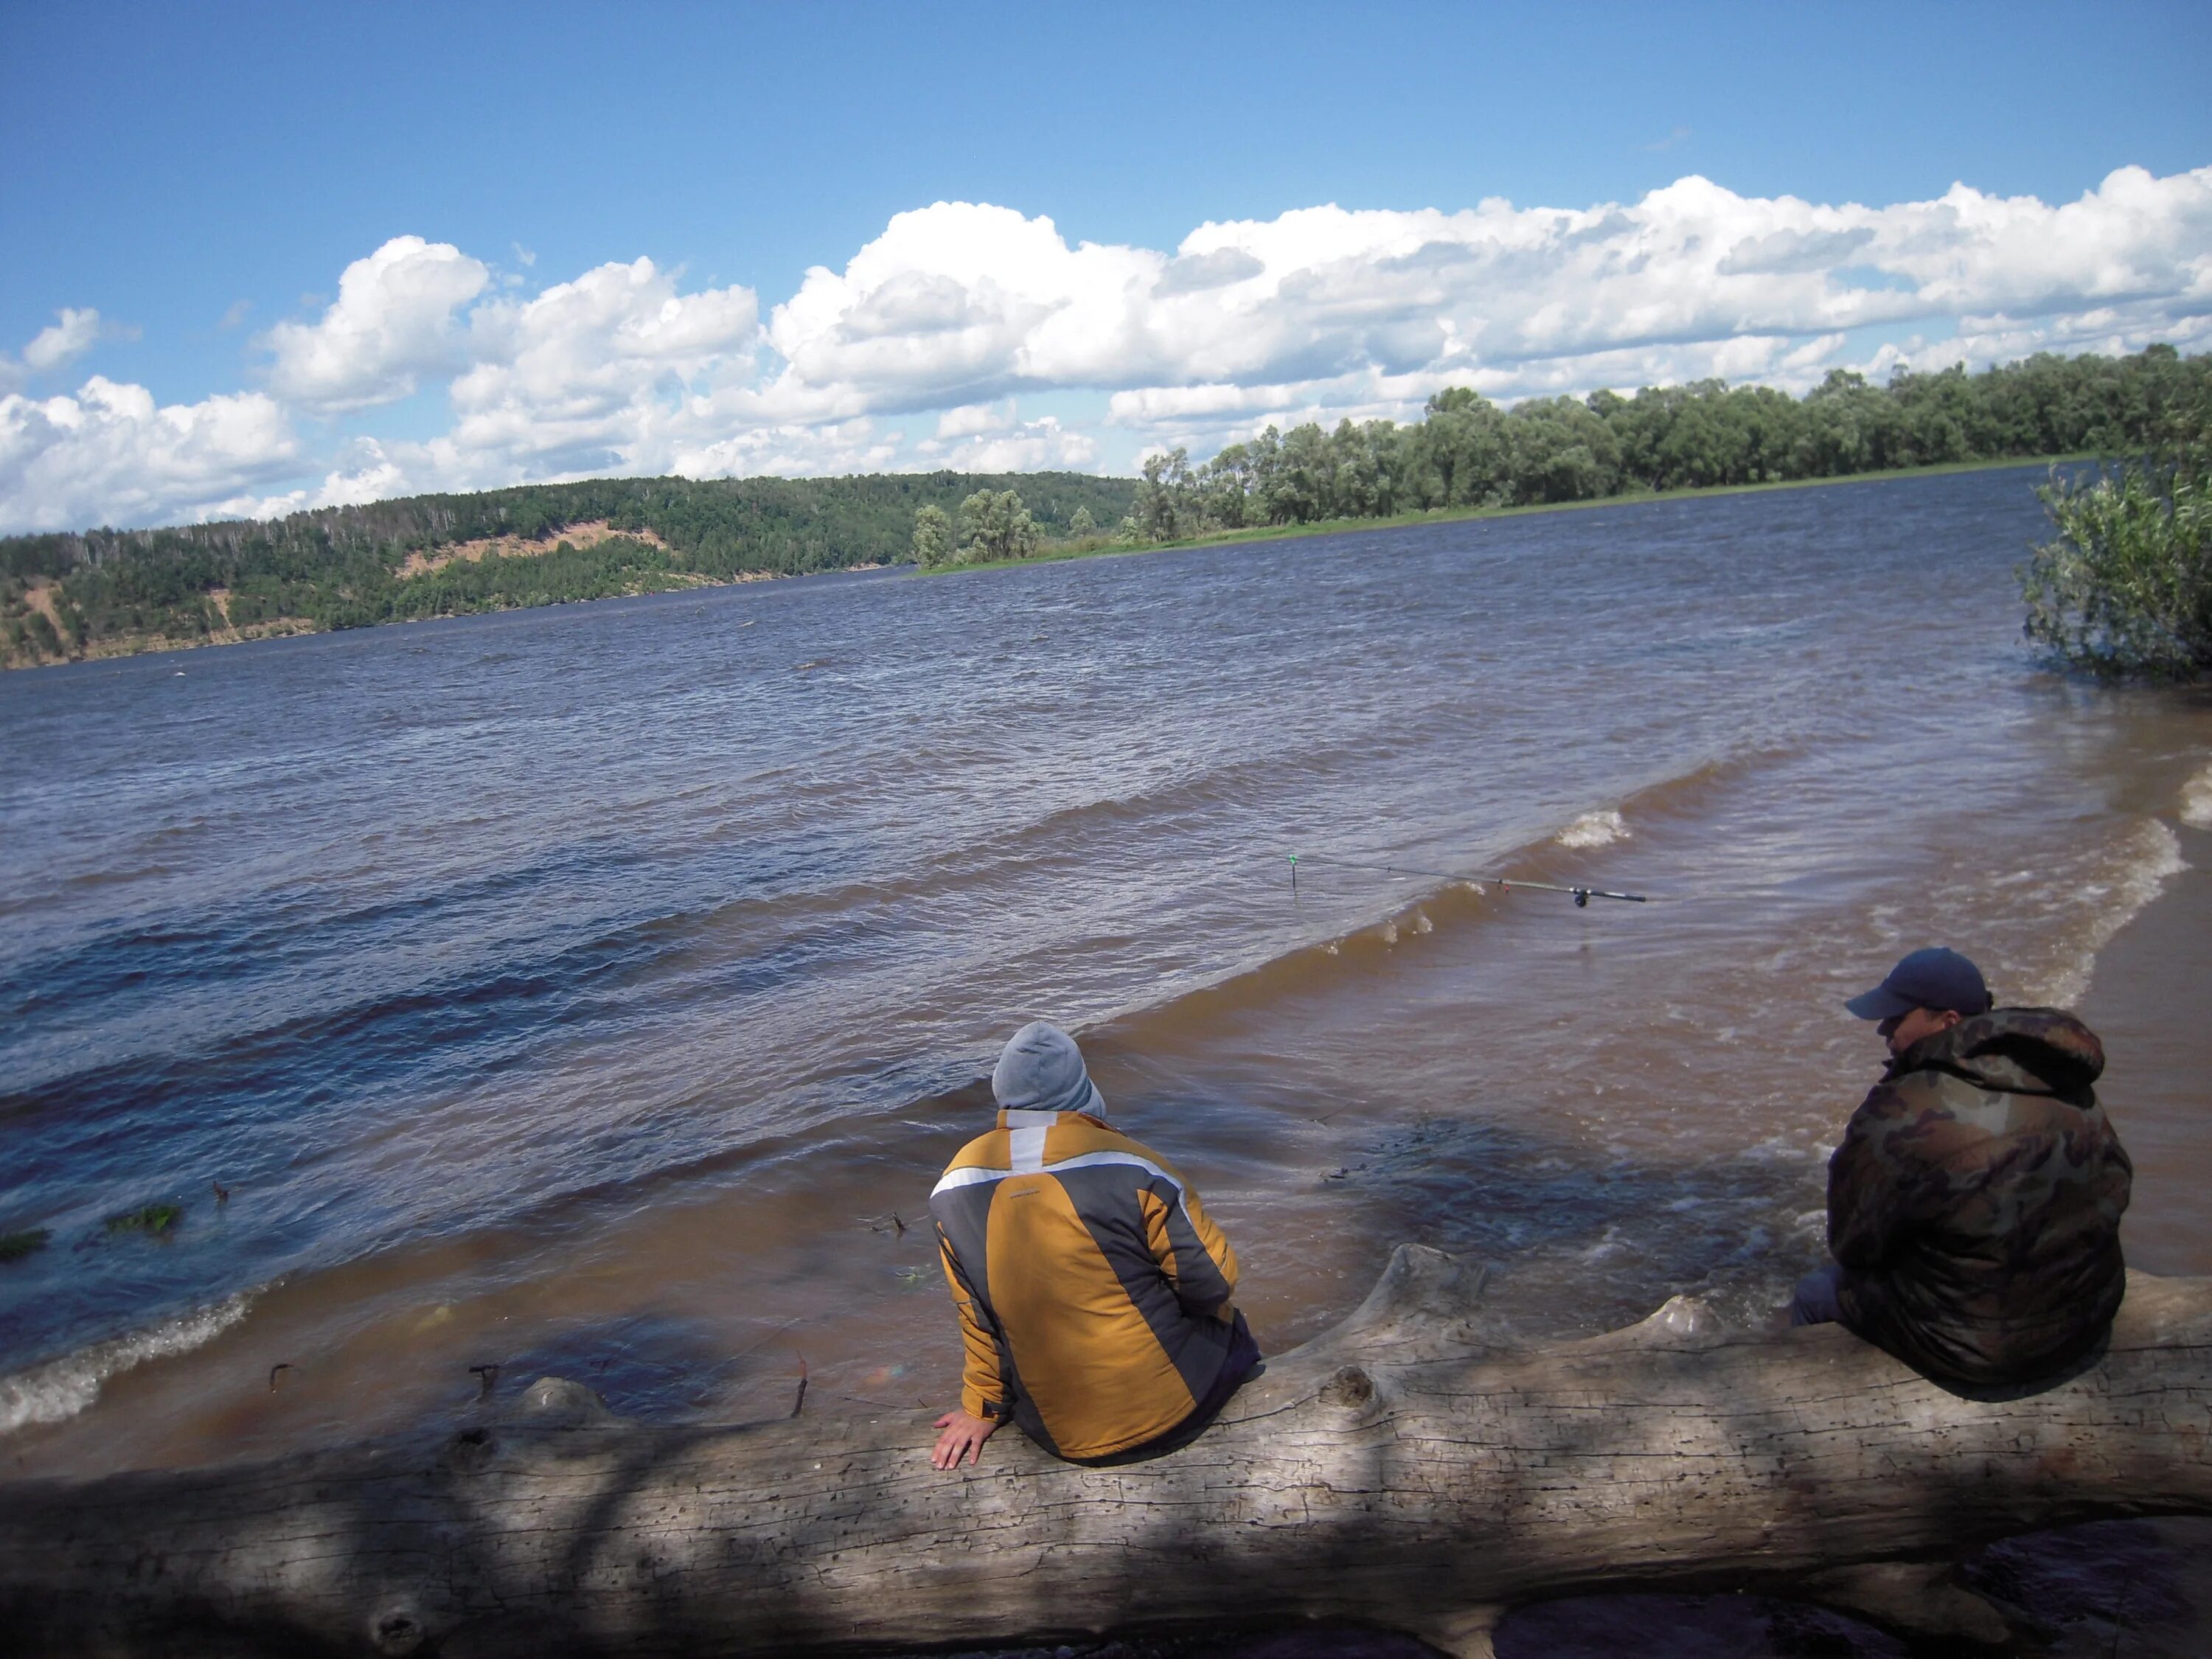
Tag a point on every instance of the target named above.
point(2125, 590)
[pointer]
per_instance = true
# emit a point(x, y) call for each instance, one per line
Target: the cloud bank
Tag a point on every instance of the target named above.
point(924, 349)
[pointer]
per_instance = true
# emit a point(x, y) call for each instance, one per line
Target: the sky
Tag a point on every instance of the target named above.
point(255, 258)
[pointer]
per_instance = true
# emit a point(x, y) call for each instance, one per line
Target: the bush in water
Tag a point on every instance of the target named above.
point(2125, 590)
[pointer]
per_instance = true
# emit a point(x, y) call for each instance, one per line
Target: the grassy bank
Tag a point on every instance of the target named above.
point(1107, 547)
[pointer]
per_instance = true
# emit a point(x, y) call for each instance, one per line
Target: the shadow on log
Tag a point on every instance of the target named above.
point(1409, 1470)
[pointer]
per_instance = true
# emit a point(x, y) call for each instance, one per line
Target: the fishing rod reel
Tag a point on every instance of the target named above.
point(1582, 895)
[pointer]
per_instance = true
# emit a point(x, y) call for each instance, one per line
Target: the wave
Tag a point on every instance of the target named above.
point(186, 950)
point(60, 1389)
point(1182, 795)
point(2147, 859)
point(1443, 902)
point(2196, 800)
point(1594, 830)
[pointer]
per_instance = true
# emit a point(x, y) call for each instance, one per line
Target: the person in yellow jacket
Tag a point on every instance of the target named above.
point(1093, 1293)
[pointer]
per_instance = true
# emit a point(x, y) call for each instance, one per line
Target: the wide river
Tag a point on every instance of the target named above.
point(597, 990)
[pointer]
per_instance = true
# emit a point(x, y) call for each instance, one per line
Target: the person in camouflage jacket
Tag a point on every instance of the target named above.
point(1974, 1203)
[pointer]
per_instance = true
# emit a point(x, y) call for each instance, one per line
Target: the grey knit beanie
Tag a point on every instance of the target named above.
point(1042, 1070)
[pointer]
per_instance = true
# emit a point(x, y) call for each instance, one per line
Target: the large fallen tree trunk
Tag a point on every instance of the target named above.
point(1403, 1471)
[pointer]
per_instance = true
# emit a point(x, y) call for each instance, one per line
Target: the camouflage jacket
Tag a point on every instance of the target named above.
point(1975, 1202)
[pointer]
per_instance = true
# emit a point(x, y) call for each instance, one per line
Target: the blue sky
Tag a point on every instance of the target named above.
point(186, 188)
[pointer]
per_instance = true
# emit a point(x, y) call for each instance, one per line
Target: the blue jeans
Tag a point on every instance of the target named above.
point(1814, 1301)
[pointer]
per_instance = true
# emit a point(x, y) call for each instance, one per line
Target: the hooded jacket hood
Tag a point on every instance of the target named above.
point(1042, 1070)
point(2016, 1051)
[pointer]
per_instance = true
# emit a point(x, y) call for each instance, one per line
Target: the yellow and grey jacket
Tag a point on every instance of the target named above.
point(1093, 1292)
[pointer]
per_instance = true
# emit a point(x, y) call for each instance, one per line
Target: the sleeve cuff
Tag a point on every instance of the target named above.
point(975, 1404)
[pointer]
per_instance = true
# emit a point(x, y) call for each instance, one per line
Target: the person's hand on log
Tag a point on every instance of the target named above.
point(963, 1436)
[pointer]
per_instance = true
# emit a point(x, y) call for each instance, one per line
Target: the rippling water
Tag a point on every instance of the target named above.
point(599, 989)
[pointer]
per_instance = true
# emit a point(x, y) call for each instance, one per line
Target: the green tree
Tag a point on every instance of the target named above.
point(1165, 504)
point(1224, 488)
point(932, 536)
point(995, 525)
point(1303, 486)
point(1460, 450)
point(1082, 524)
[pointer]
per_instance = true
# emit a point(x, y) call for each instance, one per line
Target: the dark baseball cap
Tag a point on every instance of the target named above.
point(1932, 978)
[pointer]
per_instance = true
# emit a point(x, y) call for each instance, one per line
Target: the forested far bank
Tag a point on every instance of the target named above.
point(1469, 453)
point(108, 592)
point(1466, 453)
point(105, 592)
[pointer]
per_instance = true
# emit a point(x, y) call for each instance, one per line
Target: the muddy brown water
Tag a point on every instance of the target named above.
point(598, 991)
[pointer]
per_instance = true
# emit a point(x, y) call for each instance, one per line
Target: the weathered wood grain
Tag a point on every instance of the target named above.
point(1403, 1471)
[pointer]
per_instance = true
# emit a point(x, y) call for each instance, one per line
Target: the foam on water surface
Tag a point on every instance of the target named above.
point(2096, 903)
point(1594, 830)
point(2196, 800)
point(62, 1388)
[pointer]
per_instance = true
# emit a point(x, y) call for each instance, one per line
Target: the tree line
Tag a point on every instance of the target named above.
point(1468, 452)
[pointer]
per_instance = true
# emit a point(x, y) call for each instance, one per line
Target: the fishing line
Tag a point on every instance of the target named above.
point(1583, 895)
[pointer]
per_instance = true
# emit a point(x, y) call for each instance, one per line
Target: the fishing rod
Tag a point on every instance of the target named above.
point(1583, 895)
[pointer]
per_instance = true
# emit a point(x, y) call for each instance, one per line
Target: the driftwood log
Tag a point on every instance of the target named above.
point(1405, 1471)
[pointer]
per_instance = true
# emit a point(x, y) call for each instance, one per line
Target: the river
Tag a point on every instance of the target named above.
point(598, 990)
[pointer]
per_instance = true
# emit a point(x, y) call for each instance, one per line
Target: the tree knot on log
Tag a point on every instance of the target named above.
point(398, 1628)
point(1350, 1388)
point(469, 1450)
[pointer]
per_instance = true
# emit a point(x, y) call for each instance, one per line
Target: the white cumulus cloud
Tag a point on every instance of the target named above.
point(111, 455)
point(614, 369)
point(958, 310)
point(1039, 446)
point(969, 419)
point(958, 304)
point(68, 336)
point(1333, 309)
point(392, 325)
point(794, 450)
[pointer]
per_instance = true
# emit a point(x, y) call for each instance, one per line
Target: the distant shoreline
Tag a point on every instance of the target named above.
point(1104, 547)
point(292, 627)
point(152, 644)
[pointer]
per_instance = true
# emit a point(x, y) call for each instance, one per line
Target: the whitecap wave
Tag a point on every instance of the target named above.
point(2196, 800)
point(1594, 830)
point(62, 1388)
